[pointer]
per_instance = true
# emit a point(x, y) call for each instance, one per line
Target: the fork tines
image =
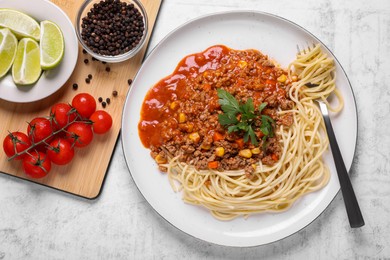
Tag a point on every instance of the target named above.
point(304, 49)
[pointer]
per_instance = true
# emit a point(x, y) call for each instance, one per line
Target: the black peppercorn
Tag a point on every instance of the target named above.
point(87, 80)
point(89, 76)
point(84, 51)
point(129, 81)
point(100, 99)
point(108, 100)
point(112, 27)
point(86, 61)
point(108, 69)
point(115, 93)
point(104, 104)
point(75, 86)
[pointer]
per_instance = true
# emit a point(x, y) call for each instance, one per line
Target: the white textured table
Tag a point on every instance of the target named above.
point(41, 223)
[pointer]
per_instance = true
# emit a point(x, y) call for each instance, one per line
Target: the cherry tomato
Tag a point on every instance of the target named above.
point(102, 122)
point(85, 104)
point(80, 133)
point(60, 151)
point(38, 129)
point(16, 142)
point(36, 165)
point(62, 114)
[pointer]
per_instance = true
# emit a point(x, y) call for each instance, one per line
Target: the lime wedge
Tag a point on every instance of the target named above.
point(8, 46)
point(27, 66)
point(52, 45)
point(19, 23)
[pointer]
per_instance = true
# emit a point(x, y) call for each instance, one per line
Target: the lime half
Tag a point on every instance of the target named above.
point(27, 66)
point(8, 46)
point(52, 45)
point(19, 23)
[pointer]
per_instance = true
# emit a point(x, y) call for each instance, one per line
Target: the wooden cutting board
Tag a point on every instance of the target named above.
point(84, 176)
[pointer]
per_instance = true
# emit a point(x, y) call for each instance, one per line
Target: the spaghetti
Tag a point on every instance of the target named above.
point(278, 176)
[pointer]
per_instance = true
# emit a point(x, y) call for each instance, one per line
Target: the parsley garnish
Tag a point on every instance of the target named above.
point(245, 122)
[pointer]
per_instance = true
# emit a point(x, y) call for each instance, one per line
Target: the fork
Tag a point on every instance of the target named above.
point(353, 210)
point(352, 206)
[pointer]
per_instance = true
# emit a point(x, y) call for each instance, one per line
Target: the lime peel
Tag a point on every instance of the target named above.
point(8, 46)
point(52, 45)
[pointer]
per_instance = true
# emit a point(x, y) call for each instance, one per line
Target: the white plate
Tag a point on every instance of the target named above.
point(271, 35)
point(51, 80)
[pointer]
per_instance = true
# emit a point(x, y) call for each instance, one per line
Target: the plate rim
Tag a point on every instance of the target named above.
point(73, 64)
point(214, 14)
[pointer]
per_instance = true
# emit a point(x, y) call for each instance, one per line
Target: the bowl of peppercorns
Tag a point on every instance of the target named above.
point(112, 30)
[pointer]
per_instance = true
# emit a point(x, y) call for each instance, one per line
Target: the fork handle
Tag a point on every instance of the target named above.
point(353, 210)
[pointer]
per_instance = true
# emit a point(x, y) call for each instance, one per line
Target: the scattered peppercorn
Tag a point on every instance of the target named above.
point(103, 62)
point(86, 61)
point(108, 100)
point(112, 27)
point(84, 51)
point(75, 86)
point(104, 104)
point(115, 93)
point(89, 76)
point(100, 99)
point(129, 81)
point(108, 69)
point(87, 80)
point(94, 59)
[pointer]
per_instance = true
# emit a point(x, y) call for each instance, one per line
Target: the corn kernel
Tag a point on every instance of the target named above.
point(282, 78)
point(194, 137)
point(174, 105)
point(205, 146)
point(182, 118)
point(242, 64)
point(219, 151)
point(255, 150)
point(294, 78)
point(160, 159)
point(246, 153)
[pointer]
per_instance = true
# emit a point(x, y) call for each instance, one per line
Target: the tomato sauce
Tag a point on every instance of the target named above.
point(159, 117)
point(172, 88)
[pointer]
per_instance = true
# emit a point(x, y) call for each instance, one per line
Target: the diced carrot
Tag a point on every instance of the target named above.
point(270, 82)
point(218, 136)
point(213, 165)
point(206, 87)
point(240, 143)
point(240, 82)
point(275, 157)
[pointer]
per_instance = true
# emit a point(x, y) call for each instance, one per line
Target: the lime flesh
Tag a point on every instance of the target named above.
point(26, 69)
point(19, 23)
point(8, 46)
point(52, 45)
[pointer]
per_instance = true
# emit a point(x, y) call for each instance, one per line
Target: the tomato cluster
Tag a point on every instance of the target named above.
point(52, 139)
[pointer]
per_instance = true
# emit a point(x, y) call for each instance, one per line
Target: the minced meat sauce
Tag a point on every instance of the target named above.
point(179, 115)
